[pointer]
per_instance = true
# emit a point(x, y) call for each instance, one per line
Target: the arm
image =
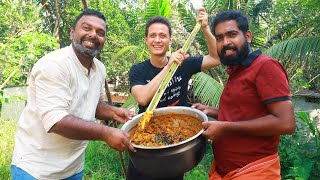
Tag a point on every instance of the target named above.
point(75, 128)
point(144, 93)
point(212, 59)
point(105, 112)
point(210, 111)
point(280, 121)
point(53, 98)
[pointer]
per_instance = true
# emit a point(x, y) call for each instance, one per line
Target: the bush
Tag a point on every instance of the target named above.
point(300, 152)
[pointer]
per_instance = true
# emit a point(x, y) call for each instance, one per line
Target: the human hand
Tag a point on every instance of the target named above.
point(118, 140)
point(178, 57)
point(210, 111)
point(203, 17)
point(213, 129)
point(122, 115)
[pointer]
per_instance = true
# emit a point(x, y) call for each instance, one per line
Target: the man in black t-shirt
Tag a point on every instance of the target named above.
point(145, 77)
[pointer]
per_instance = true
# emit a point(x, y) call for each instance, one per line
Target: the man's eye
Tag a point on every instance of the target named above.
point(100, 34)
point(233, 34)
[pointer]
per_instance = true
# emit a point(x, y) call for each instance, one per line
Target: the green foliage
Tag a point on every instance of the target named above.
point(300, 152)
point(300, 55)
point(206, 90)
point(311, 124)
point(117, 38)
point(22, 44)
point(295, 19)
point(158, 8)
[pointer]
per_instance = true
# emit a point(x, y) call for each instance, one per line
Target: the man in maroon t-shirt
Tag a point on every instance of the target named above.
point(255, 107)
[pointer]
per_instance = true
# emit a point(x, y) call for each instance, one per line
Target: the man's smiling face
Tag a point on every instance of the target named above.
point(158, 39)
point(89, 35)
point(232, 43)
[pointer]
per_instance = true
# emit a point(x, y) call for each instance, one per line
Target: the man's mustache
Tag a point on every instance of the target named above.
point(95, 41)
point(225, 48)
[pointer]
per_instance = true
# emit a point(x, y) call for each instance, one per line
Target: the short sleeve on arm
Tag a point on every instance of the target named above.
point(272, 82)
point(135, 76)
point(193, 64)
point(53, 94)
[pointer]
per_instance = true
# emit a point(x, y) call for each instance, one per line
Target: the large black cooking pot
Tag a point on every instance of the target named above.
point(171, 160)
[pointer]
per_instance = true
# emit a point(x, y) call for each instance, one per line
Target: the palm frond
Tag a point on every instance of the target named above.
point(300, 54)
point(131, 104)
point(299, 48)
point(188, 16)
point(134, 53)
point(211, 6)
point(158, 8)
point(205, 89)
point(124, 51)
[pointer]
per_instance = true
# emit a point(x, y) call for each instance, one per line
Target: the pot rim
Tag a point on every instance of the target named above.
point(137, 118)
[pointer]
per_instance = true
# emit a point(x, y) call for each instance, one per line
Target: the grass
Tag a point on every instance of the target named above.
point(7, 131)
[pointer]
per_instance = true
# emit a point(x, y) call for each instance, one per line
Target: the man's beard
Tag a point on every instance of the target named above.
point(237, 58)
point(86, 51)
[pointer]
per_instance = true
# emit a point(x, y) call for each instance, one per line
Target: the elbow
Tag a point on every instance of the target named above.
point(290, 127)
point(142, 102)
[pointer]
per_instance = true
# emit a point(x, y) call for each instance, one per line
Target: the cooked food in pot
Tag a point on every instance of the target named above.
point(144, 121)
point(166, 129)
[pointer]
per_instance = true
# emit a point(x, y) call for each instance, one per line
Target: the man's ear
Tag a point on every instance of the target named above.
point(249, 36)
point(71, 33)
point(145, 40)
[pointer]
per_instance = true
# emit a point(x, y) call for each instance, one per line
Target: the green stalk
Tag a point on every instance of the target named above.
point(164, 83)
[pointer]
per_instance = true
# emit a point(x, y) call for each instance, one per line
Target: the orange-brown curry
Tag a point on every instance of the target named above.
point(166, 129)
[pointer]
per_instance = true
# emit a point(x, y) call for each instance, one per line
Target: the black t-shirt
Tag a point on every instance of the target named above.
point(176, 92)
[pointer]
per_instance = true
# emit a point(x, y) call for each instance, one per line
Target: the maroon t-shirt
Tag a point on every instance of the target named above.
point(258, 81)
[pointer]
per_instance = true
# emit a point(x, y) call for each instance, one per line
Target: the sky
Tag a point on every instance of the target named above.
point(197, 3)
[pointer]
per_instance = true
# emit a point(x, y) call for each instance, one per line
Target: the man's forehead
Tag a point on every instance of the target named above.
point(226, 26)
point(158, 28)
point(91, 19)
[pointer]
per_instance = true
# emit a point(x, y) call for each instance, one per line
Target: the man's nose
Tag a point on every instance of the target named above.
point(92, 34)
point(226, 41)
point(158, 39)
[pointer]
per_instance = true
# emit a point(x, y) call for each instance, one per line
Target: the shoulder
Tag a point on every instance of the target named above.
point(140, 66)
point(54, 63)
point(53, 58)
point(269, 66)
point(264, 61)
point(192, 64)
point(194, 58)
